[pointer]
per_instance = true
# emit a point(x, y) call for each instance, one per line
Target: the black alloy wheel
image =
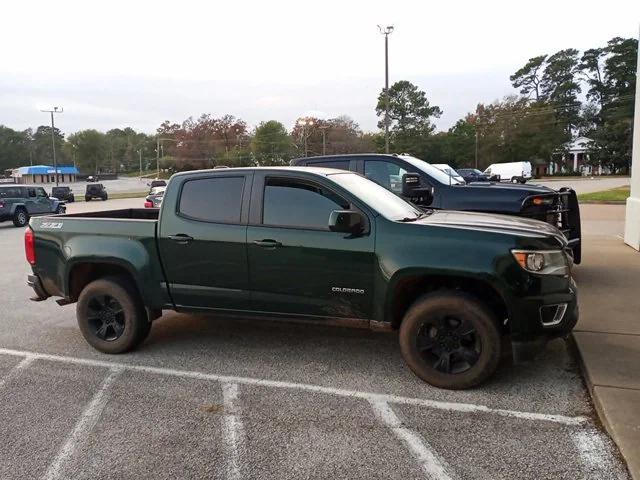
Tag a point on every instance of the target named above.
point(106, 317)
point(449, 344)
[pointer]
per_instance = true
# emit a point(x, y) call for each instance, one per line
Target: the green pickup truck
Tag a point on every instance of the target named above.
point(318, 244)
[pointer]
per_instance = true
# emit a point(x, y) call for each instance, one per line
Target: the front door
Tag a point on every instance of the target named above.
point(203, 242)
point(42, 202)
point(296, 264)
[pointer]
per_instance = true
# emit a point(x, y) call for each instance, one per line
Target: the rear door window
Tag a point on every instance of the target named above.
point(10, 193)
point(217, 200)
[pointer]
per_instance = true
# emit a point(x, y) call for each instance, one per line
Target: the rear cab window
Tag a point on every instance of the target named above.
point(214, 199)
point(339, 164)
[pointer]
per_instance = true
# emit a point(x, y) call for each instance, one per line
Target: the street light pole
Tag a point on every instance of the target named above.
point(140, 158)
point(324, 139)
point(386, 31)
point(53, 138)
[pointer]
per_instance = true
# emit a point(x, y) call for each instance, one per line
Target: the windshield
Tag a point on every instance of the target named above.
point(435, 173)
point(386, 203)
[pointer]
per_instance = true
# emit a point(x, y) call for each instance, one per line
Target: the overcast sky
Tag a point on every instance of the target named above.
point(136, 63)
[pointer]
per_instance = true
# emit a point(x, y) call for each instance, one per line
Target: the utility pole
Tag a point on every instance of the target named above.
point(157, 157)
point(53, 138)
point(324, 138)
point(476, 147)
point(304, 124)
point(386, 31)
point(140, 157)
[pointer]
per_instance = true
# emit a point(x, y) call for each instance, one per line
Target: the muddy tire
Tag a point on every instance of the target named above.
point(111, 316)
point(450, 340)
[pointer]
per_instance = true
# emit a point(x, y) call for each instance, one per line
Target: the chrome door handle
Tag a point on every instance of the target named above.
point(267, 243)
point(181, 238)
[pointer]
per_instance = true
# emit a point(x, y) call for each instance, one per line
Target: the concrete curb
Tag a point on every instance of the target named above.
point(601, 411)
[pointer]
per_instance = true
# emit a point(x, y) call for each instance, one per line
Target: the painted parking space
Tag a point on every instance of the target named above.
point(115, 419)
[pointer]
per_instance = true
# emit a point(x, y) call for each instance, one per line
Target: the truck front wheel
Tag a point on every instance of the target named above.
point(111, 316)
point(450, 340)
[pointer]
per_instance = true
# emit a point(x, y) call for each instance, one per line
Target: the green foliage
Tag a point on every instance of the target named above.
point(529, 77)
point(410, 117)
point(270, 144)
point(90, 149)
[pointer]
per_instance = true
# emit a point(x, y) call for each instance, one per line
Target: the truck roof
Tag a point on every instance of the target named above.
point(221, 171)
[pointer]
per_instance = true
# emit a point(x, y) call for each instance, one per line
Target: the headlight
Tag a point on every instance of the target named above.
point(546, 262)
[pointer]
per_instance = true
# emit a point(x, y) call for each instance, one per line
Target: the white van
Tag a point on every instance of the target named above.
point(449, 171)
point(513, 172)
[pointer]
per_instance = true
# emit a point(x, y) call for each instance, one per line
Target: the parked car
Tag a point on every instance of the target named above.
point(63, 193)
point(473, 175)
point(91, 178)
point(450, 171)
point(19, 203)
point(514, 172)
point(318, 244)
point(154, 199)
point(95, 190)
point(156, 183)
point(438, 190)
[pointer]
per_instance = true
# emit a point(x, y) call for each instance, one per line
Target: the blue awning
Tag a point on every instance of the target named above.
point(46, 170)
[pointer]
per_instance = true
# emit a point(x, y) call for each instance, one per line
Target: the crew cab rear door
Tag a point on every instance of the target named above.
point(202, 241)
point(296, 264)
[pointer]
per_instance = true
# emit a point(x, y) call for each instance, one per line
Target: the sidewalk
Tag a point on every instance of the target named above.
point(608, 333)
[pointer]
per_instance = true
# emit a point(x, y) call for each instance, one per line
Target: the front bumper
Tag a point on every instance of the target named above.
point(541, 319)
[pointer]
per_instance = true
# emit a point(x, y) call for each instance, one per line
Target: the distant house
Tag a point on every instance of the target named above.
point(44, 174)
point(576, 159)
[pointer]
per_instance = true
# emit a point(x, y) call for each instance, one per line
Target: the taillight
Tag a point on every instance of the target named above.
point(29, 246)
point(148, 204)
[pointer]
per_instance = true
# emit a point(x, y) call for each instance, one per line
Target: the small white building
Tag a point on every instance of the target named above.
point(577, 159)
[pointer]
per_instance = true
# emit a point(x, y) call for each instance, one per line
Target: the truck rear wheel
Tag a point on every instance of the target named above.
point(20, 217)
point(111, 317)
point(450, 340)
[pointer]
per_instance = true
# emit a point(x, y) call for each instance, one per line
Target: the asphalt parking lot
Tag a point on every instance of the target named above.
point(228, 398)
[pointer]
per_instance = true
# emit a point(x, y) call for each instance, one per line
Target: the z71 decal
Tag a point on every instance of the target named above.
point(51, 225)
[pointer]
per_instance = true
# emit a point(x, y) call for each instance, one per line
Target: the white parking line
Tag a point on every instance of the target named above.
point(594, 455)
point(339, 392)
point(232, 430)
point(24, 363)
point(83, 427)
point(434, 466)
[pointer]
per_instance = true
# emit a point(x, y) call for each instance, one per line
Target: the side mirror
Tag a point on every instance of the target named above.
point(412, 190)
point(410, 181)
point(346, 221)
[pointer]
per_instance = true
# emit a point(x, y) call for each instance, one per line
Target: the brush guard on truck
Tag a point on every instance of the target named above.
point(561, 210)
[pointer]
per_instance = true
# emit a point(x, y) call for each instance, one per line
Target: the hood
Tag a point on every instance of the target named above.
point(526, 189)
point(506, 224)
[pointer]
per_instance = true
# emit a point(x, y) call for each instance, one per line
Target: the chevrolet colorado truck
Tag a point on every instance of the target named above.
point(441, 191)
point(318, 244)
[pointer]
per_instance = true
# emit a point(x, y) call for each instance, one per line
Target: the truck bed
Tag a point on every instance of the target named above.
point(123, 214)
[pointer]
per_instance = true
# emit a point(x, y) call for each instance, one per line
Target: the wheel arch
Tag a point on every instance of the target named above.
point(406, 288)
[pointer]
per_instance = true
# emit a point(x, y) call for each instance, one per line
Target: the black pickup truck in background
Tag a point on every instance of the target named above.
point(440, 191)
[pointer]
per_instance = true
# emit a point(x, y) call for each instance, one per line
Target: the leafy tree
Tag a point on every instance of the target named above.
point(15, 148)
point(529, 78)
point(91, 149)
point(560, 87)
point(410, 116)
point(270, 144)
point(42, 148)
point(613, 131)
